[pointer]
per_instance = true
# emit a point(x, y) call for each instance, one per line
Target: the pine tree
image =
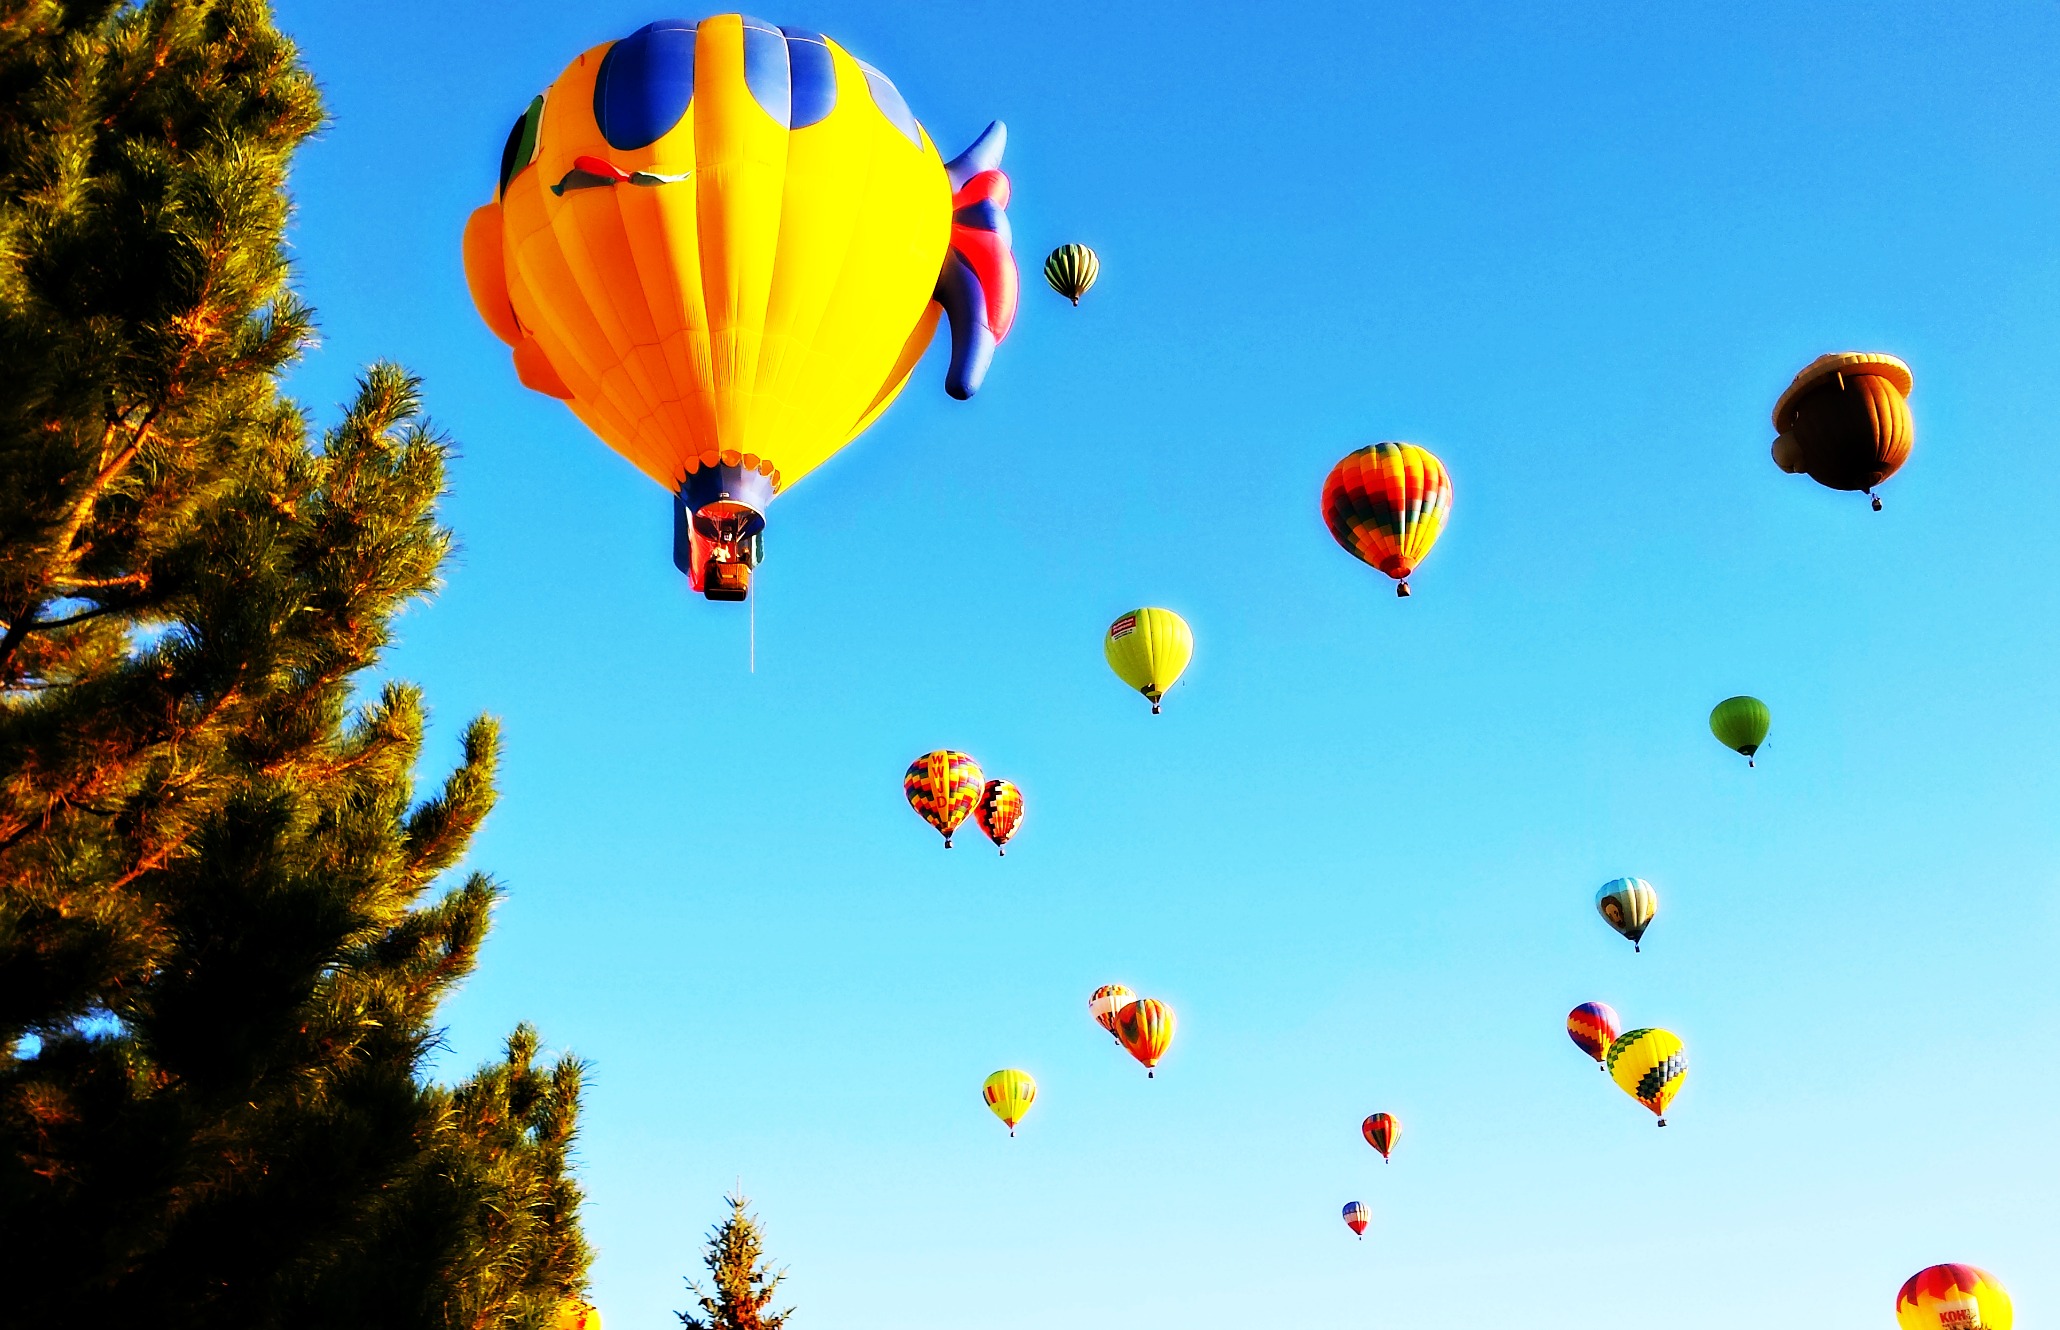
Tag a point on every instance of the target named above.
point(742, 1288)
point(223, 930)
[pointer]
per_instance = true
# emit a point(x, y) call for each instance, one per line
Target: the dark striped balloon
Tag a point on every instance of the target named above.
point(1071, 270)
point(1381, 1132)
point(999, 812)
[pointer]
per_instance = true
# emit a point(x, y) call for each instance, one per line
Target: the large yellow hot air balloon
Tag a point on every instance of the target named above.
point(574, 1314)
point(1149, 650)
point(1009, 1093)
point(1649, 1066)
point(725, 245)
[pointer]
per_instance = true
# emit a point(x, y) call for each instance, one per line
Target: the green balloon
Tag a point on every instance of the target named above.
point(1740, 723)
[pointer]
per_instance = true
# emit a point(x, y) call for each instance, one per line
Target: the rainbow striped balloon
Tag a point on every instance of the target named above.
point(1386, 504)
point(1593, 1026)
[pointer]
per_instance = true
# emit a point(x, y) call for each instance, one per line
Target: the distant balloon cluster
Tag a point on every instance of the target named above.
point(726, 245)
point(947, 786)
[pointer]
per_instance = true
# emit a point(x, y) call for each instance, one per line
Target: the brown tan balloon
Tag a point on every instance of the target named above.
point(1845, 421)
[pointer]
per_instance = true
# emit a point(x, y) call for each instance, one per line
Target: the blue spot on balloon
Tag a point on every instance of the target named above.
point(814, 77)
point(645, 83)
point(888, 98)
point(765, 68)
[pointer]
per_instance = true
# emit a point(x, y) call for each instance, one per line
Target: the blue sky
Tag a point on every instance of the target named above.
point(1577, 255)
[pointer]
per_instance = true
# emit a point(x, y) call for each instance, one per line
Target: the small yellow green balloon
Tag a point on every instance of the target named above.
point(1009, 1094)
point(1741, 724)
point(1149, 649)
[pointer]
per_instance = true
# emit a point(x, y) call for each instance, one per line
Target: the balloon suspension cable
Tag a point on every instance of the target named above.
point(751, 617)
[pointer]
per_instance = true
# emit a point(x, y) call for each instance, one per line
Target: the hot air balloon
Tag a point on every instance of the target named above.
point(1649, 1066)
point(1071, 270)
point(999, 812)
point(574, 1314)
point(1953, 1297)
point(943, 787)
point(1628, 904)
point(1846, 421)
point(1107, 1000)
point(1357, 1217)
point(1146, 1029)
point(725, 246)
point(1386, 505)
point(1009, 1093)
point(1740, 724)
point(1593, 1027)
point(1381, 1132)
point(1149, 650)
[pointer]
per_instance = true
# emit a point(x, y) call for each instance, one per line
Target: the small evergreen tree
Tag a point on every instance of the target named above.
point(222, 942)
point(742, 1288)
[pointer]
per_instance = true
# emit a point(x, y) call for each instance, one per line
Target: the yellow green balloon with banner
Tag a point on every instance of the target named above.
point(1149, 649)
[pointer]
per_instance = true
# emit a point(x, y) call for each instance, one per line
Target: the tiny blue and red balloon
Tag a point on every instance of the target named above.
point(1357, 1217)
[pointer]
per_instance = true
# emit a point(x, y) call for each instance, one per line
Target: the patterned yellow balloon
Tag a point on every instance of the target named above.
point(1149, 650)
point(1009, 1093)
point(1649, 1066)
point(725, 245)
point(1953, 1297)
point(577, 1315)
